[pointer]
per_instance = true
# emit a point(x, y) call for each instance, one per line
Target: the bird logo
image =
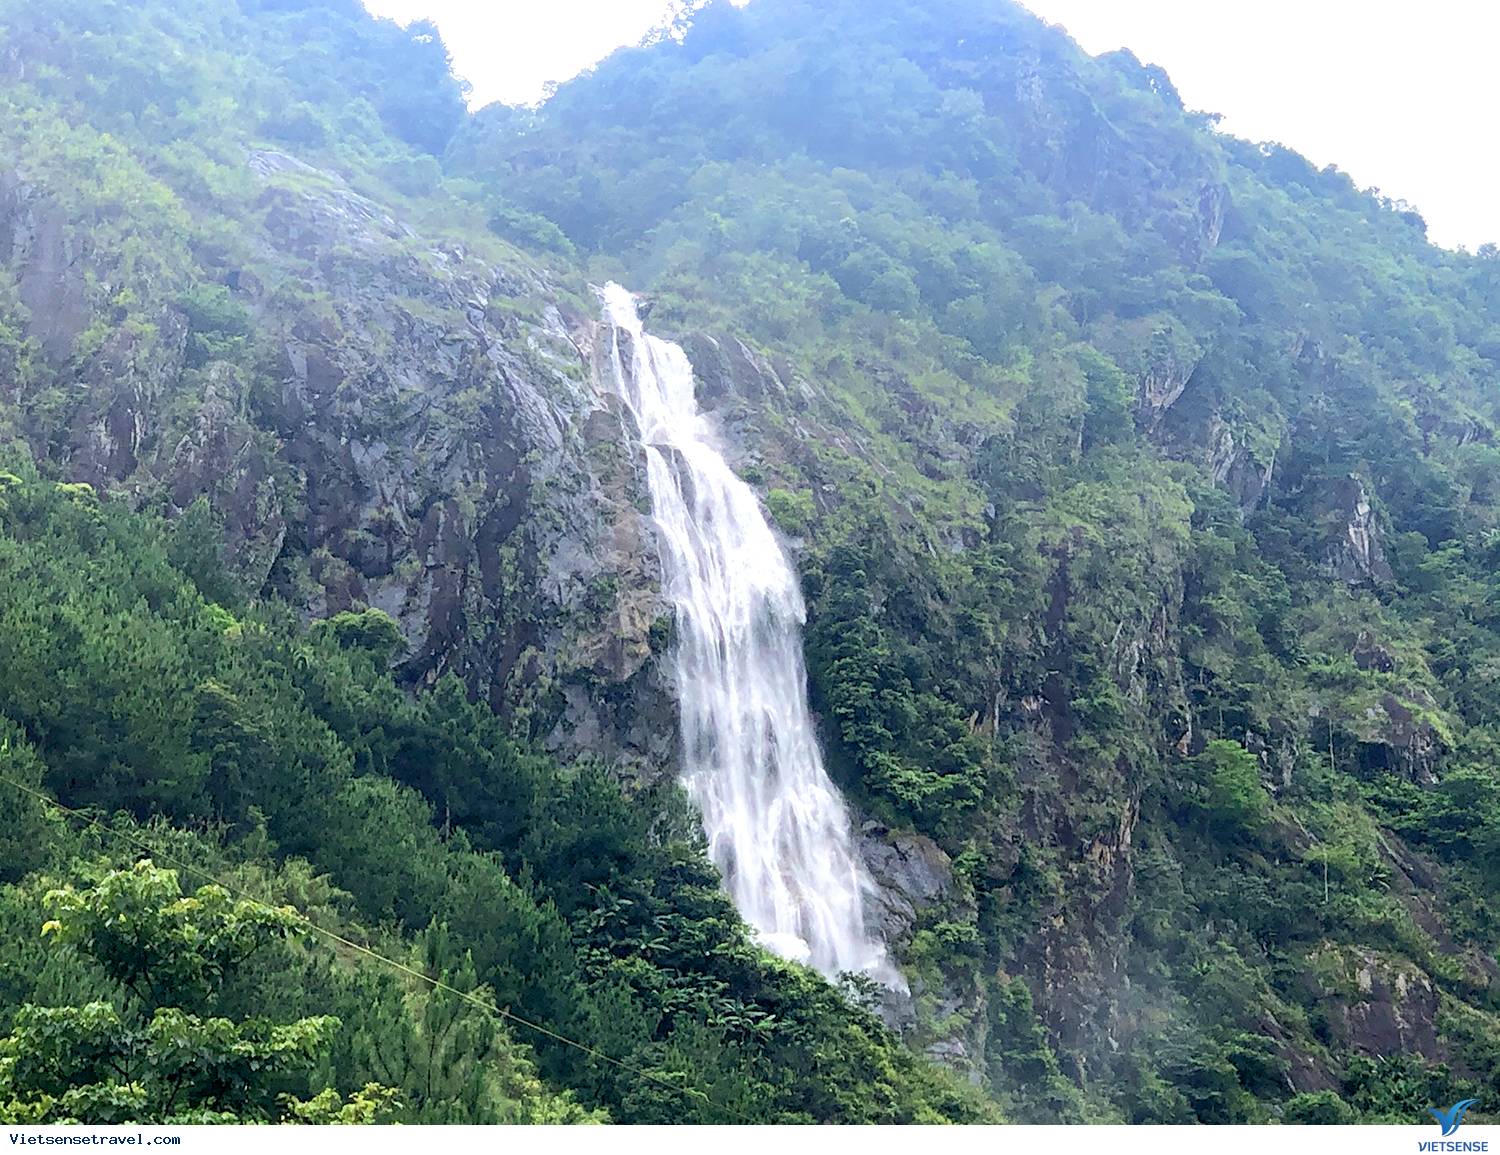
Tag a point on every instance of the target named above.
point(1451, 1119)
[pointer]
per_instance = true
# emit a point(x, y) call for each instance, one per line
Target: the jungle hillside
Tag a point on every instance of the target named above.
point(1143, 484)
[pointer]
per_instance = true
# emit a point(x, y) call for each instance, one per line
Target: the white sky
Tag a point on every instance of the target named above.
point(1400, 94)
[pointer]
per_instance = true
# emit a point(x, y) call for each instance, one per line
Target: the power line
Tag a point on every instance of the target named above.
point(395, 964)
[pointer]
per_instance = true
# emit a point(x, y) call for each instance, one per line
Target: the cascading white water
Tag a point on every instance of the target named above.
point(776, 826)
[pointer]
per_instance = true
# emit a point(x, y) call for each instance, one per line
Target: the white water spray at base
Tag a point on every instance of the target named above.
point(776, 825)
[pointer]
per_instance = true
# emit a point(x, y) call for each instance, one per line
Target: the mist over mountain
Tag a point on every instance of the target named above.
point(1141, 484)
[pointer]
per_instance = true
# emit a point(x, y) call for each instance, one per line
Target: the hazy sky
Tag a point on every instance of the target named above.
point(1399, 94)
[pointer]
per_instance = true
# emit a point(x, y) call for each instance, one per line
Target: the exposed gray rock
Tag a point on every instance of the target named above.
point(1160, 355)
point(1369, 655)
point(424, 444)
point(222, 457)
point(912, 872)
point(1213, 201)
point(463, 462)
point(914, 884)
point(48, 262)
point(728, 370)
point(1235, 467)
point(1355, 553)
point(1162, 383)
point(1376, 1004)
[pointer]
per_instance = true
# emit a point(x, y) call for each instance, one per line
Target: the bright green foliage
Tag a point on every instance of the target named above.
point(885, 671)
point(1023, 1066)
point(581, 911)
point(1395, 1087)
point(1317, 1108)
point(157, 943)
point(196, 549)
point(370, 1104)
point(149, 1060)
point(792, 512)
point(371, 631)
point(1227, 790)
point(441, 1053)
point(76, 1064)
point(219, 327)
point(26, 826)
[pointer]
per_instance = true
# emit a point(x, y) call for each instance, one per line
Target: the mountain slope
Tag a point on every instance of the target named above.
point(1141, 481)
point(1143, 478)
point(390, 423)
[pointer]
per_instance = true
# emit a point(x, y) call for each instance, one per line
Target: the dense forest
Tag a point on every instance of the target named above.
point(1143, 482)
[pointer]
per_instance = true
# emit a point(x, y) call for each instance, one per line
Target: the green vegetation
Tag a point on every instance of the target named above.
point(1145, 489)
point(1107, 408)
point(295, 755)
point(157, 1062)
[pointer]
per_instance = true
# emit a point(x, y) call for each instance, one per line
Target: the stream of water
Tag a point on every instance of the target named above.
point(777, 827)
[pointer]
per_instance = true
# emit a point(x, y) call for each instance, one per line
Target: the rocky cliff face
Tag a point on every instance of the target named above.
point(1354, 550)
point(431, 433)
point(420, 432)
point(428, 432)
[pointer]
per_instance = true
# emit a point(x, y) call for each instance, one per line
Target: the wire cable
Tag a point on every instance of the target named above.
point(395, 964)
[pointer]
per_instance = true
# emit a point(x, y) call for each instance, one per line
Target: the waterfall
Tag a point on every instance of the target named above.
point(776, 825)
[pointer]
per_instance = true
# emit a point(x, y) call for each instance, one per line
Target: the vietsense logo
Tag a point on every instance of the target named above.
point(1450, 1121)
